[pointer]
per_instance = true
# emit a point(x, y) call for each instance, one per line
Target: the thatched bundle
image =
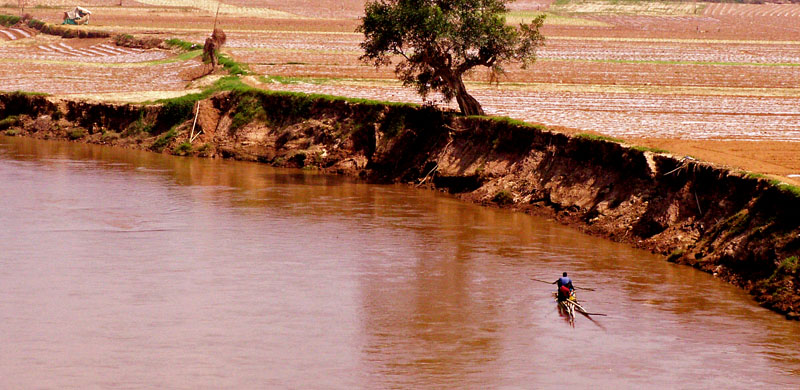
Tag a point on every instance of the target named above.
point(212, 46)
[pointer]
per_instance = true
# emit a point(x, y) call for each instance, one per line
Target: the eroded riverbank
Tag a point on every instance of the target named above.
point(735, 225)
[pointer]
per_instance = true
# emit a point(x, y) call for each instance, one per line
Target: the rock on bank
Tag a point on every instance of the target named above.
point(736, 225)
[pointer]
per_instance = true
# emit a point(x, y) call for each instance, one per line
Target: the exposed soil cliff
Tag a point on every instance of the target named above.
point(741, 228)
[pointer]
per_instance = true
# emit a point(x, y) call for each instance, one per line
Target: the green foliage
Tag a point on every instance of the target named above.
point(249, 108)
point(293, 80)
point(789, 266)
point(9, 121)
point(794, 190)
point(205, 150)
point(9, 20)
point(230, 83)
point(393, 123)
point(648, 149)
point(675, 255)
point(753, 175)
point(183, 149)
point(11, 132)
point(140, 126)
point(176, 111)
point(503, 197)
point(439, 41)
point(234, 68)
point(596, 137)
point(512, 122)
point(737, 223)
point(77, 134)
point(183, 45)
point(144, 43)
point(164, 140)
point(783, 187)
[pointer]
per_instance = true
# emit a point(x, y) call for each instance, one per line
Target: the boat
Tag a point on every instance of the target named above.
point(570, 305)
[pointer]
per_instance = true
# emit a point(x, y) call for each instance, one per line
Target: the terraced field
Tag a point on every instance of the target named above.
point(12, 34)
point(657, 73)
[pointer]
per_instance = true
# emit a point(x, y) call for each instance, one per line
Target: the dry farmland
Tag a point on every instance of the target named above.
point(718, 81)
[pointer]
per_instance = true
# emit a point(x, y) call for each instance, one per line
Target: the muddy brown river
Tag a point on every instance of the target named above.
point(130, 270)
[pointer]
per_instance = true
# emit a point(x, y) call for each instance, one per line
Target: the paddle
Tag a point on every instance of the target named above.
point(579, 288)
point(593, 314)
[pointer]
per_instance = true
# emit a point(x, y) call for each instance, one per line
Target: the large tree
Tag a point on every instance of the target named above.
point(438, 41)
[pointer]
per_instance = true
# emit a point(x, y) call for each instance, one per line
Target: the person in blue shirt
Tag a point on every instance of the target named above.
point(565, 287)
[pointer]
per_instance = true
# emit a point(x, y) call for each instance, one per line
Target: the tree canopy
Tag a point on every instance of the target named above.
point(438, 41)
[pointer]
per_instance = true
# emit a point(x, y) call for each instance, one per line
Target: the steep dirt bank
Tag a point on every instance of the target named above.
point(735, 225)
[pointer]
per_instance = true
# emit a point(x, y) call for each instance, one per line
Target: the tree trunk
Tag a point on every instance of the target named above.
point(468, 104)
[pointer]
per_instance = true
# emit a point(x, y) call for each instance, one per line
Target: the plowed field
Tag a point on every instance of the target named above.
point(688, 77)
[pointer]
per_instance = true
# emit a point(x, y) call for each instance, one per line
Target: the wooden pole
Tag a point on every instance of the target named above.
point(196, 114)
point(579, 288)
point(215, 17)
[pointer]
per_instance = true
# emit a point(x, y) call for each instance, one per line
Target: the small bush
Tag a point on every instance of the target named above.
point(77, 134)
point(183, 149)
point(140, 126)
point(790, 265)
point(205, 150)
point(123, 39)
point(9, 20)
point(503, 197)
point(37, 24)
point(164, 140)
point(175, 111)
point(11, 132)
point(8, 122)
point(675, 255)
point(249, 108)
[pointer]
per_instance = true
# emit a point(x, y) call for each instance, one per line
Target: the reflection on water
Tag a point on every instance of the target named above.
point(123, 269)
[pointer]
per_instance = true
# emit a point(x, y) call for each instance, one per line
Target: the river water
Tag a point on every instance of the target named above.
point(132, 270)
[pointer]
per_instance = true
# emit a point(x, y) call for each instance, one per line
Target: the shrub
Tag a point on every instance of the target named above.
point(503, 197)
point(11, 132)
point(249, 108)
point(183, 149)
point(9, 20)
point(9, 121)
point(205, 150)
point(37, 24)
point(77, 134)
point(175, 111)
point(140, 126)
point(790, 265)
point(164, 140)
